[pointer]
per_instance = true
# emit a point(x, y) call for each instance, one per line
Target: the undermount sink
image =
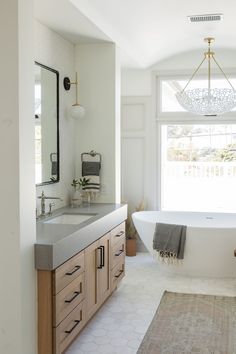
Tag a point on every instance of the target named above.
point(70, 219)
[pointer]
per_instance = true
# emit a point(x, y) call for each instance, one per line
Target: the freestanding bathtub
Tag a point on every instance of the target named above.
point(210, 241)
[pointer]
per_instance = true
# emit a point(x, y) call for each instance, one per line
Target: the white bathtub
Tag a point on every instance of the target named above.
point(210, 241)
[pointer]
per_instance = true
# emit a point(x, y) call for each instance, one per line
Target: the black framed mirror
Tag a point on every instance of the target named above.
point(46, 93)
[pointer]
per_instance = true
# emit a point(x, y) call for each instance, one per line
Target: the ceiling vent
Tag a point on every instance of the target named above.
point(205, 18)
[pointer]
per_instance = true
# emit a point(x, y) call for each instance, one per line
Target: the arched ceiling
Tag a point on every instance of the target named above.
point(146, 31)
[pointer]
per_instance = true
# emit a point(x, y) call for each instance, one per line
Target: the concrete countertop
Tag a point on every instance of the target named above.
point(56, 243)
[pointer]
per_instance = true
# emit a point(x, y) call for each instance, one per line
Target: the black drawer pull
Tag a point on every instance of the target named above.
point(101, 257)
point(74, 297)
point(75, 325)
point(117, 276)
point(118, 254)
point(120, 234)
point(75, 270)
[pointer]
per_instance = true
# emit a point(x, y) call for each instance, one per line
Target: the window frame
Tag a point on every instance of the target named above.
point(165, 118)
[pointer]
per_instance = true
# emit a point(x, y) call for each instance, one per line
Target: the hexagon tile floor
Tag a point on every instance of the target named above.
point(119, 326)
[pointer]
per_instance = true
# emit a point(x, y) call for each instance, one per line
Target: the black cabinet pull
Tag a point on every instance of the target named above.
point(75, 270)
point(74, 297)
point(119, 253)
point(117, 276)
point(101, 257)
point(75, 325)
point(120, 234)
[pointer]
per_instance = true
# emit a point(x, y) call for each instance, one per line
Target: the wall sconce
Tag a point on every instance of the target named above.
point(76, 110)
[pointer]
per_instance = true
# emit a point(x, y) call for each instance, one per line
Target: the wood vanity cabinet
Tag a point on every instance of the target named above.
point(61, 310)
point(71, 294)
point(117, 256)
point(97, 274)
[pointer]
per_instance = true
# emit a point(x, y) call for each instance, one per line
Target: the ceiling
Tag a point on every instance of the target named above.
point(145, 31)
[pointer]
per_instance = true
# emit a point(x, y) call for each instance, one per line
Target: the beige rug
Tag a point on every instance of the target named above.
point(190, 323)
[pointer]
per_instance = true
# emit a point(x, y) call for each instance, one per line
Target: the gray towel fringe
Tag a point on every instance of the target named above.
point(168, 258)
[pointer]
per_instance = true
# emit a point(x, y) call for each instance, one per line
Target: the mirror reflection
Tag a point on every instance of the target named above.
point(46, 125)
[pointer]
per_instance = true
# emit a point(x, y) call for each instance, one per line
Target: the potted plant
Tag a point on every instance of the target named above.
point(131, 233)
point(77, 197)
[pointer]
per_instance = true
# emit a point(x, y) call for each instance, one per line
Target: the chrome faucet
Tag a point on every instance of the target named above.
point(43, 198)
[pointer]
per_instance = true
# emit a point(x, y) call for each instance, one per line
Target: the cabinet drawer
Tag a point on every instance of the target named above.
point(117, 233)
point(117, 252)
point(117, 273)
point(68, 271)
point(68, 329)
point(68, 298)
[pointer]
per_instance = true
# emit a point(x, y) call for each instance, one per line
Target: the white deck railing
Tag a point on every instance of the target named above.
point(200, 169)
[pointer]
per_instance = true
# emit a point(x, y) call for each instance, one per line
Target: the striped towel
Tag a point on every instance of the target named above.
point(91, 171)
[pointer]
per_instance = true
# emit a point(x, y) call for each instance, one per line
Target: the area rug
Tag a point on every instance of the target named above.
point(191, 323)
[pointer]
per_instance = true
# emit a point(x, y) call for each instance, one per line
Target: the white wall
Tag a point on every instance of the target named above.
point(17, 190)
point(18, 313)
point(190, 60)
point(135, 83)
point(137, 135)
point(137, 156)
point(99, 93)
point(54, 51)
point(139, 82)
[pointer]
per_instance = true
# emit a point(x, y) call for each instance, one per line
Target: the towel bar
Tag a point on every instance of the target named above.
point(91, 153)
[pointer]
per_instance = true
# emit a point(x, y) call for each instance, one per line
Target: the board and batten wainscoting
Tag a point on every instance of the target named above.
point(137, 154)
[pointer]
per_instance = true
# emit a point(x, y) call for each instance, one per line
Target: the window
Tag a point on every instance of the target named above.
point(198, 167)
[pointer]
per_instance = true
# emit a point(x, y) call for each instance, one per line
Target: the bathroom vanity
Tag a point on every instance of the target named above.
point(80, 258)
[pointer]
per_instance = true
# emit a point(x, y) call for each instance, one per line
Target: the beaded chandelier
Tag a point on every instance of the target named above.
point(208, 101)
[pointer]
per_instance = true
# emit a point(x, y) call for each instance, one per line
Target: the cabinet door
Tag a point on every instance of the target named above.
point(104, 269)
point(91, 279)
